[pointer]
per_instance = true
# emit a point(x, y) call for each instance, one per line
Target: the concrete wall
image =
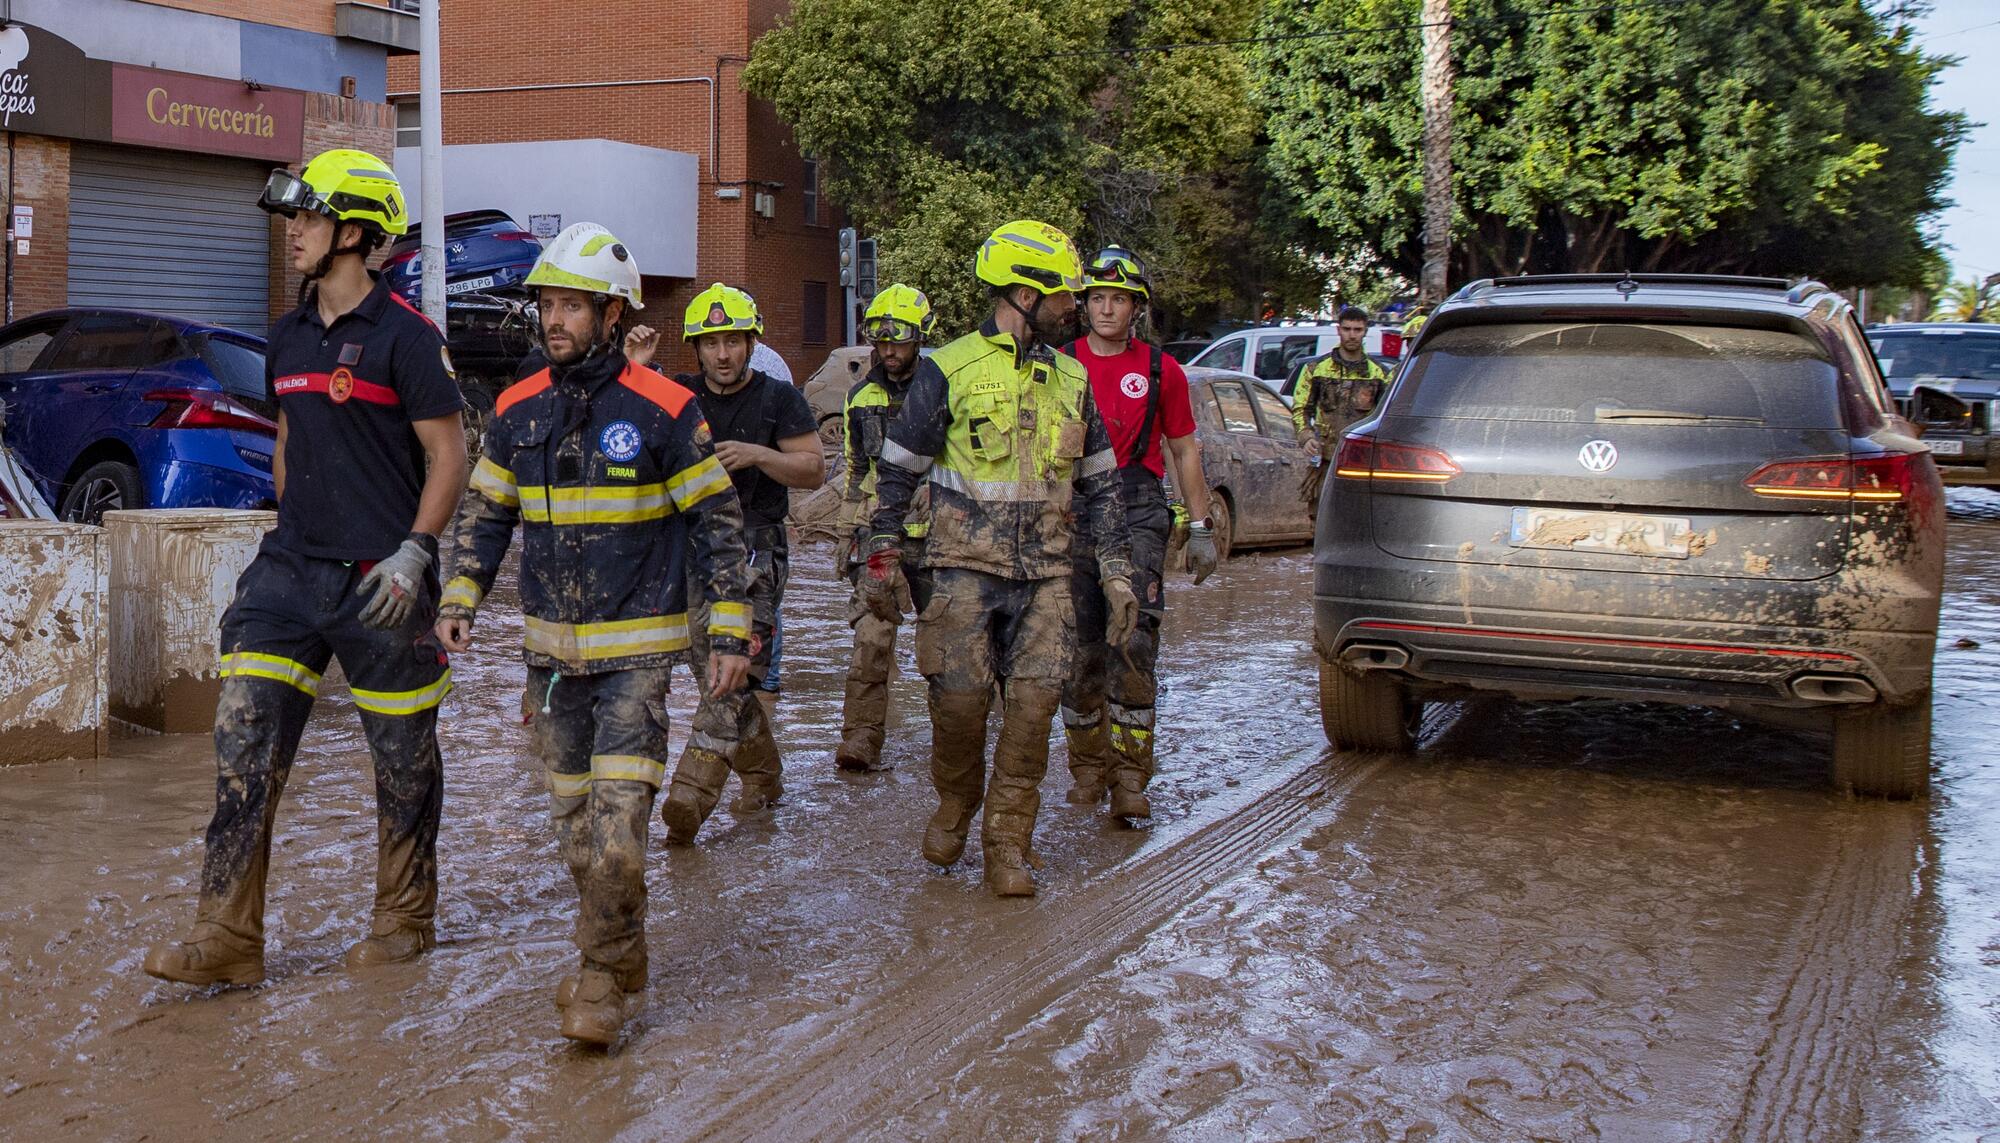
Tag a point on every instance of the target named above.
point(173, 573)
point(53, 640)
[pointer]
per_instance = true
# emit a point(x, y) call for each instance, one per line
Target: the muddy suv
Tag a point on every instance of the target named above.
point(1945, 377)
point(1669, 488)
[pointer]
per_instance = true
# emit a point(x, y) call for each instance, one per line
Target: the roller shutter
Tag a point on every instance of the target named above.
point(169, 232)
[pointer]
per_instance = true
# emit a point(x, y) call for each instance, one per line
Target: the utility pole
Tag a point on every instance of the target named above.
point(430, 141)
point(1437, 151)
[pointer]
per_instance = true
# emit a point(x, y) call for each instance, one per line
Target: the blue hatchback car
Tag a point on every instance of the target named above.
point(113, 409)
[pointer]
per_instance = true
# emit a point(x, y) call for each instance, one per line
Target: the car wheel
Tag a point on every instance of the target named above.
point(1884, 751)
point(833, 432)
point(107, 486)
point(1366, 710)
point(1224, 521)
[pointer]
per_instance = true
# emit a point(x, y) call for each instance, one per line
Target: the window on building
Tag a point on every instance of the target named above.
point(409, 132)
point(813, 323)
point(811, 195)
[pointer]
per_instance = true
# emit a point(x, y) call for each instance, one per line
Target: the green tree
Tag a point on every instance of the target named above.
point(1748, 136)
point(1974, 299)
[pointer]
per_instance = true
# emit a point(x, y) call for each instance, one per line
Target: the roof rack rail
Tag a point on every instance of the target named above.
point(1804, 287)
point(1596, 279)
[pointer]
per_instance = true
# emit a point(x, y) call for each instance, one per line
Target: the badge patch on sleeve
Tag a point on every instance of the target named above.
point(619, 440)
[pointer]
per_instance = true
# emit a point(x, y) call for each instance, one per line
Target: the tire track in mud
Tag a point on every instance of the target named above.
point(897, 1056)
point(1843, 950)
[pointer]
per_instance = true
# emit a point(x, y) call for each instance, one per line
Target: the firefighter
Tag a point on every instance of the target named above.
point(370, 460)
point(895, 324)
point(608, 469)
point(1334, 392)
point(767, 440)
point(1142, 395)
point(1004, 429)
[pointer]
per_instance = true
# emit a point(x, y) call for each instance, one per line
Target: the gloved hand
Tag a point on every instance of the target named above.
point(878, 582)
point(843, 555)
point(1201, 550)
point(392, 584)
point(1121, 610)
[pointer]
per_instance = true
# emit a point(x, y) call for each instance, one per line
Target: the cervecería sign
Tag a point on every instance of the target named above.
point(198, 113)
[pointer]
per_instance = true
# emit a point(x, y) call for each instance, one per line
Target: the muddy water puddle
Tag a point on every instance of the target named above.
point(1584, 921)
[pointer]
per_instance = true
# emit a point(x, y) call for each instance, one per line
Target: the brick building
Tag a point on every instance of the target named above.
point(523, 83)
point(139, 134)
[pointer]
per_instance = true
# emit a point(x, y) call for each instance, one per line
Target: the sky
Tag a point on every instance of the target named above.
point(1970, 30)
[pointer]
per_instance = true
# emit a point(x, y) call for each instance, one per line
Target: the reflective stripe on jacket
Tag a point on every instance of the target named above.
point(872, 404)
point(614, 481)
point(1006, 438)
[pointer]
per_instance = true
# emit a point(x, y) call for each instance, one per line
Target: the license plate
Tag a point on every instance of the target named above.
point(1946, 448)
point(469, 285)
point(1612, 532)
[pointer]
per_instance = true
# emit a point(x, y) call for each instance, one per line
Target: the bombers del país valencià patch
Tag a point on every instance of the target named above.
point(619, 441)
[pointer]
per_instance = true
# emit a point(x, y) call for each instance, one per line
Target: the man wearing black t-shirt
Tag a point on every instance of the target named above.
point(766, 438)
point(370, 464)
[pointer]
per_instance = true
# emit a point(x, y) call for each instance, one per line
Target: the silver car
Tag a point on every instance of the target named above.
point(1670, 488)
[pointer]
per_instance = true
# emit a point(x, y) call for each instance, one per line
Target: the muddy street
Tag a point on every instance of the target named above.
point(1553, 922)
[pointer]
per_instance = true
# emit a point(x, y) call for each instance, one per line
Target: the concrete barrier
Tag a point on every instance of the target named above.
point(173, 574)
point(53, 639)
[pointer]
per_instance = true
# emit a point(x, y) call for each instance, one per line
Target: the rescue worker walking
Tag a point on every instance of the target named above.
point(607, 468)
point(1006, 431)
point(895, 323)
point(370, 460)
point(1142, 393)
point(766, 439)
point(1333, 393)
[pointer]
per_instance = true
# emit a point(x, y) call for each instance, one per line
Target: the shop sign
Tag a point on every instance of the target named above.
point(199, 113)
point(47, 85)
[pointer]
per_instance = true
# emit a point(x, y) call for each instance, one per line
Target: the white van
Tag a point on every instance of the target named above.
point(1271, 353)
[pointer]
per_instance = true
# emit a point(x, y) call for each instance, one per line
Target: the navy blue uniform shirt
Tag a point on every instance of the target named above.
point(354, 469)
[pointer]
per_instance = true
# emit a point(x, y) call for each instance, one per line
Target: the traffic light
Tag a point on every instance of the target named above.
point(864, 269)
point(848, 241)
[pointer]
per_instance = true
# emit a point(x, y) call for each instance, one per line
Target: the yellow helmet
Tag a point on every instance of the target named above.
point(1029, 253)
point(722, 309)
point(1116, 268)
point(899, 313)
point(343, 185)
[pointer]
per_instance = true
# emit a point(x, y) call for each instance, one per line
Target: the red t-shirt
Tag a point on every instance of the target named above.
point(1121, 387)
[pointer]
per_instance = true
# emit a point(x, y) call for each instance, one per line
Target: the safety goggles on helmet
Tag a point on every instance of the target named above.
point(890, 329)
point(286, 193)
point(1117, 268)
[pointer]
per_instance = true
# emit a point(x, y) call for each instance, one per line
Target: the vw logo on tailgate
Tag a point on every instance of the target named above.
point(1598, 456)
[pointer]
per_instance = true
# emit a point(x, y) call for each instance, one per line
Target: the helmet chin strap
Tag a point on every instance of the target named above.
point(324, 266)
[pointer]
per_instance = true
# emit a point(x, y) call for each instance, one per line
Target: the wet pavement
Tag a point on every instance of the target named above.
point(1581, 921)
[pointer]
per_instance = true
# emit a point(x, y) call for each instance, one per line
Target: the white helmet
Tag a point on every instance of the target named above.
point(587, 257)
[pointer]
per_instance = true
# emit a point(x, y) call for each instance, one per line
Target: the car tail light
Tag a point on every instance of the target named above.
point(402, 263)
point(515, 236)
point(1364, 457)
point(200, 409)
point(1392, 343)
point(1873, 478)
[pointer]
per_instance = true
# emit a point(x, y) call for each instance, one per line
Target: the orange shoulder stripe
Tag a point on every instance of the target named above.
point(669, 395)
point(522, 390)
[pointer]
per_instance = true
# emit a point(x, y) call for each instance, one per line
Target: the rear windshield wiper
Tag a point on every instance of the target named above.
point(1670, 415)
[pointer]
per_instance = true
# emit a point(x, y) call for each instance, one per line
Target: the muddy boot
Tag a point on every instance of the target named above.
point(1089, 755)
point(863, 716)
point(391, 943)
point(691, 797)
point(595, 1010)
point(206, 960)
point(631, 979)
point(1007, 872)
point(944, 836)
point(1132, 769)
point(1128, 801)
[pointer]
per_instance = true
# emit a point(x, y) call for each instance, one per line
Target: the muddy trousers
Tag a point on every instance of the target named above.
point(734, 732)
point(865, 712)
point(292, 615)
point(1108, 702)
point(602, 740)
point(978, 630)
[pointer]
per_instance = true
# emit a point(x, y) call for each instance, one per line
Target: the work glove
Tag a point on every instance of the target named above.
point(391, 585)
point(1121, 609)
point(1201, 550)
point(843, 555)
point(878, 582)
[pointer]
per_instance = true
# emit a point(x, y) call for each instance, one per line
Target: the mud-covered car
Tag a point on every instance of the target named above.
point(1252, 459)
point(1945, 377)
point(1665, 488)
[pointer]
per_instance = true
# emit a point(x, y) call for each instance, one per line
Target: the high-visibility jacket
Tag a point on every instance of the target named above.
point(1007, 436)
point(611, 474)
point(872, 404)
point(1333, 393)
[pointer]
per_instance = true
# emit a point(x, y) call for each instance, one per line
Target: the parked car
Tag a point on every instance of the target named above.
point(113, 409)
point(484, 251)
point(1252, 459)
point(1273, 353)
point(1669, 488)
point(1945, 377)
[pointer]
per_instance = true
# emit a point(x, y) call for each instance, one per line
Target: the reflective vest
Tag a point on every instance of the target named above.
point(869, 409)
